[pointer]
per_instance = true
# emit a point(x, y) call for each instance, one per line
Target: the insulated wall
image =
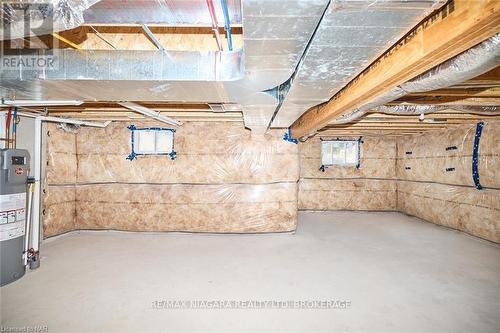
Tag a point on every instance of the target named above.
point(428, 176)
point(371, 187)
point(436, 183)
point(227, 180)
point(59, 200)
point(224, 179)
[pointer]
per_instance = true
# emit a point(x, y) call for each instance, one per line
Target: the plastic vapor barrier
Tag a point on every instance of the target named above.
point(45, 16)
point(433, 176)
point(224, 179)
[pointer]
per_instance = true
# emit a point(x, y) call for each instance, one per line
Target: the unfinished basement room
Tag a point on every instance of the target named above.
point(250, 166)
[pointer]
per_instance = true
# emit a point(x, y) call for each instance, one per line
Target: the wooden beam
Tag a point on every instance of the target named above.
point(452, 29)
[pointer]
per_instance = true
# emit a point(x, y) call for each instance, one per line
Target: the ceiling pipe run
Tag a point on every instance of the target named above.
point(65, 120)
point(227, 24)
point(150, 113)
point(152, 37)
point(215, 25)
point(5, 102)
point(101, 37)
point(465, 66)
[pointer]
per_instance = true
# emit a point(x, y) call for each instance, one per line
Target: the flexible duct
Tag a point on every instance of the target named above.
point(424, 109)
point(465, 66)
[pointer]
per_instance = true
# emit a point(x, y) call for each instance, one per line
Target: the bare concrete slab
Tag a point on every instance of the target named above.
point(397, 273)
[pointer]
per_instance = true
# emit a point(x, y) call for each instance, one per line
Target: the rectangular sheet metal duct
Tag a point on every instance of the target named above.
point(67, 64)
point(351, 35)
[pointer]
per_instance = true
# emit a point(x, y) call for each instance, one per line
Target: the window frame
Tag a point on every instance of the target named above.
point(136, 131)
point(341, 164)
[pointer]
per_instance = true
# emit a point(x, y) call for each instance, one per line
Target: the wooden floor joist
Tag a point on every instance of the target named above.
point(454, 28)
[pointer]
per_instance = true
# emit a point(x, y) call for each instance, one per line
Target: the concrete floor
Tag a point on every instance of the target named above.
point(399, 273)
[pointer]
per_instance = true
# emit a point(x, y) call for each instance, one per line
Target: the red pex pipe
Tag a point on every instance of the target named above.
point(7, 127)
point(215, 25)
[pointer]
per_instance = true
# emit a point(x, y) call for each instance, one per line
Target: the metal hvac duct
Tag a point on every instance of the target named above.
point(120, 65)
point(350, 36)
point(275, 35)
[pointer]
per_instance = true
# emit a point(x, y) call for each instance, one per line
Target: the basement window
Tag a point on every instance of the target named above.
point(340, 152)
point(151, 141)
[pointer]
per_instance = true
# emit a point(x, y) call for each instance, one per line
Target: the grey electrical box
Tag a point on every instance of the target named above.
point(14, 169)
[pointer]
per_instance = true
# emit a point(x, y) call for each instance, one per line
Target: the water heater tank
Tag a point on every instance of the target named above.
point(14, 168)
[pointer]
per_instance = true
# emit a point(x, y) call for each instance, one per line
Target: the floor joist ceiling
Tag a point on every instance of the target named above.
point(481, 91)
point(131, 37)
point(451, 30)
point(386, 124)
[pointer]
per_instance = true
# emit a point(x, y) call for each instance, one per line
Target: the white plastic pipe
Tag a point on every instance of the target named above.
point(28, 224)
point(5, 103)
point(37, 172)
point(65, 120)
point(150, 113)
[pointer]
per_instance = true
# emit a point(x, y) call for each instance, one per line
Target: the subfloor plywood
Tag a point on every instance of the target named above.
point(399, 273)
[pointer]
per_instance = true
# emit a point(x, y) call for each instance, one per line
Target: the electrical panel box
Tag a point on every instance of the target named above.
point(14, 169)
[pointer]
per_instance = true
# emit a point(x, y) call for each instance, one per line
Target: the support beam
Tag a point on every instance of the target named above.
point(454, 28)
